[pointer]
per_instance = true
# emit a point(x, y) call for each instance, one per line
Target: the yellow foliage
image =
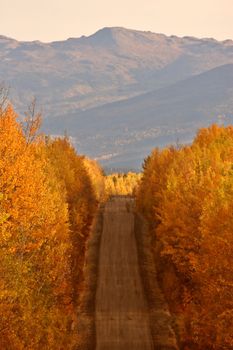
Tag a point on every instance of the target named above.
point(46, 206)
point(96, 175)
point(122, 184)
point(186, 195)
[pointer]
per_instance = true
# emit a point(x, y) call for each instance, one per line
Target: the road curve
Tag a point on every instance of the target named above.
point(121, 315)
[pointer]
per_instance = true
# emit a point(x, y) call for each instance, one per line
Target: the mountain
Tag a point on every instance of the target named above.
point(124, 132)
point(110, 65)
point(116, 79)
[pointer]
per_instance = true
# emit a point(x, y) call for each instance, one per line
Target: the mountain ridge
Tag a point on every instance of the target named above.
point(112, 64)
point(120, 29)
point(82, 78)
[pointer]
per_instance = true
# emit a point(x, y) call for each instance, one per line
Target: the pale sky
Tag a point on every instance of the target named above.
point(49, 20)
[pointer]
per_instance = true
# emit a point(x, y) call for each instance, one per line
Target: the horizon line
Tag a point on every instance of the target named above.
point(115, 27)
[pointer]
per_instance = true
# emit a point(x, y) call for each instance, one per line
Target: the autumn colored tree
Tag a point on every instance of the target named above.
point(186, 195)
point(47, 203)
point(80, 197)
point(121, 184)
point(34, 238)
point(96, 175)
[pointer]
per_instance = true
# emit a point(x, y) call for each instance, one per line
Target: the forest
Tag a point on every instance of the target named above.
point(47, 201)
point(49, 196)
point(186, 196)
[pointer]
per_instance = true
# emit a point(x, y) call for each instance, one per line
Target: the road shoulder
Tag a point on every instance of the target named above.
point(161, 321)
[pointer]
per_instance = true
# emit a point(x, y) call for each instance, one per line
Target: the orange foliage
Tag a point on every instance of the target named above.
point(46, 206)
point(80, 197)
point(186, 195)
point(121, 184)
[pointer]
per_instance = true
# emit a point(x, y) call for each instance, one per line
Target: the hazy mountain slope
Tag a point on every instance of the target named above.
point(153, 78)
point(125, 131)
point(112, 64)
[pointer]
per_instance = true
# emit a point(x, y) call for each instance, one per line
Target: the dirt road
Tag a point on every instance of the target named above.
point(122, 320)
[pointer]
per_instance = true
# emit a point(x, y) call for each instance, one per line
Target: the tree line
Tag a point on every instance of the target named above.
point(48, 197)
point(186, 196)
point(122, 184)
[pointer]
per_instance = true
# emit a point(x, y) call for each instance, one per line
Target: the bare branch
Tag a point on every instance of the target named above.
point(32, 122)
point(4, 93)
